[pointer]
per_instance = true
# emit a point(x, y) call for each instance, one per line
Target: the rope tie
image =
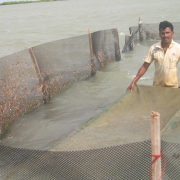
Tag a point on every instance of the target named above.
point(156, 157)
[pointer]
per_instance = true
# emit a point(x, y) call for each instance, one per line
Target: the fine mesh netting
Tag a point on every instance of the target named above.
point(33, 76)
point(149, 32)
point(126, 162)
point(127, 121)
point(19, 88)
point(115, 144)
point(64, 61)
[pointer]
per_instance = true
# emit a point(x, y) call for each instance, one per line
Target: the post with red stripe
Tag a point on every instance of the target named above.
point(156, 146)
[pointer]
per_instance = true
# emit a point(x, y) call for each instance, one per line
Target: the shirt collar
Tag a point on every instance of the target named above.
point(159, 44)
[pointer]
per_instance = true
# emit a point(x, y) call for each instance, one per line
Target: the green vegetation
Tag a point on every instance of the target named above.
point(24, 2)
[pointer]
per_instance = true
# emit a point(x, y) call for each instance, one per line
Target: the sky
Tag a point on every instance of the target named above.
point(1, 1)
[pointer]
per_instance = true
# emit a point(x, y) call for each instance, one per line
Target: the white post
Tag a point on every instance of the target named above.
point(156, 145)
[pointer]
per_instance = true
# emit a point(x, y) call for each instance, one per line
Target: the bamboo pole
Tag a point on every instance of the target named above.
point(156, 146)
point(46, 96)
point(36, 66)
point(93, 70)
point(116, 45)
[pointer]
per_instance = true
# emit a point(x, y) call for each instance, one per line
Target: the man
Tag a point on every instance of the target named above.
point(165, 55)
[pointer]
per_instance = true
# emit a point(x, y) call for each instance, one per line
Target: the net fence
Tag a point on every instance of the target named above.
point(148, 32)
point(20, 90)
point(151, 31)
point(31, 77)
point(64, 61)
point(113, 145)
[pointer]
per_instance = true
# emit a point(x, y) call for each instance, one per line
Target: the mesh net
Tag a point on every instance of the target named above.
point(64, 61)
point(129, 39)
point(149, 32)
point(20, 90)
point(113, 145)
point(120, 162)
point(32, 76)
point(114, 126)
point(106, 146)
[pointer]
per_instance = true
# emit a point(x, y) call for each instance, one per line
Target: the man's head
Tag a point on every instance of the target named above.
point(164, 24)
point(166, 32)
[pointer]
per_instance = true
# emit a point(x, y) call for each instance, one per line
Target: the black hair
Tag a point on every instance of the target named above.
point(164, 24)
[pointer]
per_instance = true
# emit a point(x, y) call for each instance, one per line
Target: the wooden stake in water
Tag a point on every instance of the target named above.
point(46, 96)
point(93, 71)
point(156, 146)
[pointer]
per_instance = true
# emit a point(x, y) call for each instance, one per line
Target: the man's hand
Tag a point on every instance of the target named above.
point(131, 87)
point(140, 73)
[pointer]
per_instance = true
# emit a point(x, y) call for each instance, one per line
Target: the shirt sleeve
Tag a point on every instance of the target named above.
point(149, 58)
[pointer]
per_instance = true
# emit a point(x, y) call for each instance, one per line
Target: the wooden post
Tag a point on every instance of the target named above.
point(93, 70)
point(140, 30)
point(46, 96)
point(36, 66)
point(131, 42)
point(156, 145)
point(116, 44)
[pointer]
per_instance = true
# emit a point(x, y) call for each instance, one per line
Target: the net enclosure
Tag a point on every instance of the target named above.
point(67, 60)
point(112, 145)
point(33, 76)
point(115, 144)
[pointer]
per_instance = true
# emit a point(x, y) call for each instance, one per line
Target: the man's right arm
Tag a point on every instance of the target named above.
point(140, 73)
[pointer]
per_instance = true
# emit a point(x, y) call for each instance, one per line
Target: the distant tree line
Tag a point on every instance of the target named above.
point(24, 2)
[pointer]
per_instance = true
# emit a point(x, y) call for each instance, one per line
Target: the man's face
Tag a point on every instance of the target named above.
point(166, 35)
